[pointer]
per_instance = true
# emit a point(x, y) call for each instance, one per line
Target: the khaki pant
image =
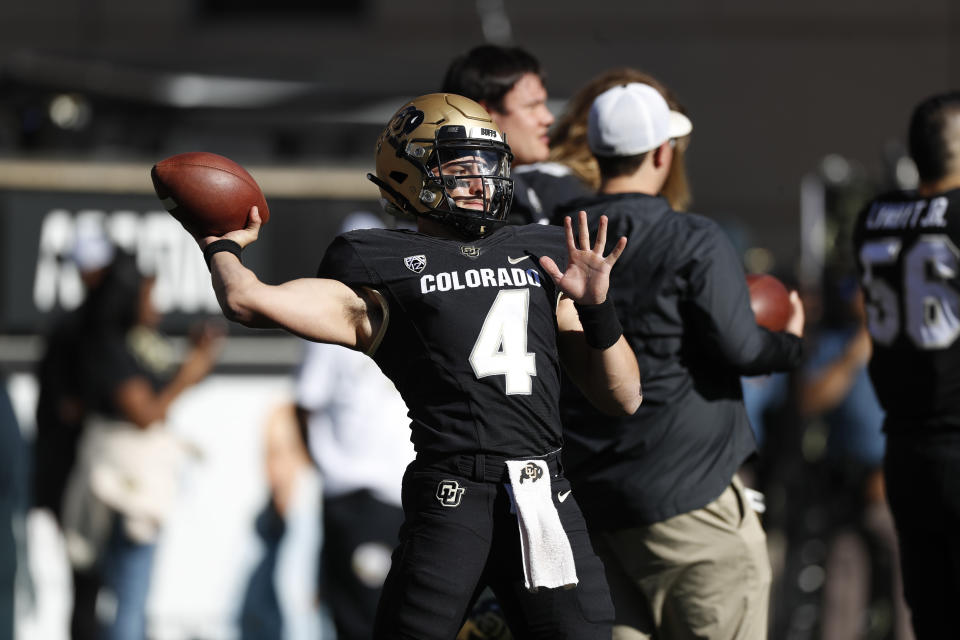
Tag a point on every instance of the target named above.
point(702, 574)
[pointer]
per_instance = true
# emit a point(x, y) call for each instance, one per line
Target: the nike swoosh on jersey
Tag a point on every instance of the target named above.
point(562, 495)
point(516, 260)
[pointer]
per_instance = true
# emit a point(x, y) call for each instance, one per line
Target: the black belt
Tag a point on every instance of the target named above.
point(481, 467)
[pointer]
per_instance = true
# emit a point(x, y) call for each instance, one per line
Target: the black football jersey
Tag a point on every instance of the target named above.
point(471, 337)
point(909, 263)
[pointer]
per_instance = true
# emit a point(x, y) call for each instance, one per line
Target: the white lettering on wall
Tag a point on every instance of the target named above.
point(160, 244)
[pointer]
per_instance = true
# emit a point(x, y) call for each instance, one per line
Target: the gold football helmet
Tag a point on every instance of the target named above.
point(442, 157)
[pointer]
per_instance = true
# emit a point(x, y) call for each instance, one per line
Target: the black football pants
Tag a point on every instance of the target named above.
point(922, 474)
point(460, 536)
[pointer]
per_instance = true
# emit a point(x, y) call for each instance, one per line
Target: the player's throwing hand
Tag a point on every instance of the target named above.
point(587, 277)
point(242, 237)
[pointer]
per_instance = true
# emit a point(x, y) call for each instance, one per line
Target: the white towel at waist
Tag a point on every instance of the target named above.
point(547, 557)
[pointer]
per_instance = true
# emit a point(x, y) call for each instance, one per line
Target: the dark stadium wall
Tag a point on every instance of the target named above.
point(771, 87)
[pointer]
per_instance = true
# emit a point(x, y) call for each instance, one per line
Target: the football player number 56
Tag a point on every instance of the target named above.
point(501, 347)
point(931, 306)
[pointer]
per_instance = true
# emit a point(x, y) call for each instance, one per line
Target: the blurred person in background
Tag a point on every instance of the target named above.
point(13, 501)
point(281, 600)
point(357, 428)
point(684, 552)
point(905, 244)
point(509, 83)
point(124, 482)
point(862, 594)
point(60, 413)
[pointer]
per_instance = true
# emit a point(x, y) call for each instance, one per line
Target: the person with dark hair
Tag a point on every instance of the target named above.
point(684, 552)
point(124, 480)
point(509, 83)
point(471, 320)
point(933, 138)
point(905, 244)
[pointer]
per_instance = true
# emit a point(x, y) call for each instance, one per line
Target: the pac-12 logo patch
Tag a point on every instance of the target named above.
point(449, 493)
point(532, 472)
point(416, 263)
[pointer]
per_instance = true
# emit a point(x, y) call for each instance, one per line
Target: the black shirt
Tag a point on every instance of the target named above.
point(681, 295)
point(471, 335)
point(909, 262)
point(111, 358)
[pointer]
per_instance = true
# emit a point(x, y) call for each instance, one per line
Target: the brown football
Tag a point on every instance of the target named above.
point(769, 300)
point(209, 194)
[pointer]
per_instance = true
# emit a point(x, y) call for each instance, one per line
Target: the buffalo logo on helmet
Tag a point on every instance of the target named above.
point(406, 120)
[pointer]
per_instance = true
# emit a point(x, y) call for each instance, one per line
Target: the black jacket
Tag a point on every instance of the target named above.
point(681, 294)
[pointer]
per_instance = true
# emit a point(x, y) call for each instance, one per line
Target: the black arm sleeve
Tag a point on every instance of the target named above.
point(719, 293)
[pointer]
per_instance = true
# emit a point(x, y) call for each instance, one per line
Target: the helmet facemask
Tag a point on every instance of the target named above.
point(467, 180)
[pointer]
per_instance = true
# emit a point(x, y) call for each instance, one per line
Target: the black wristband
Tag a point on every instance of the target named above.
point(601, 326)
point(221, 245)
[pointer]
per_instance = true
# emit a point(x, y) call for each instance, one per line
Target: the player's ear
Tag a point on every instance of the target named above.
point(663, 155)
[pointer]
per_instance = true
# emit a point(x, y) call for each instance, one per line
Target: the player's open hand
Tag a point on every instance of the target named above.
point(243, 237)
point(587, 277)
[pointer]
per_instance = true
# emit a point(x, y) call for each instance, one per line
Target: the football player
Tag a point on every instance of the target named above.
point(471, 320)
point(906, 245)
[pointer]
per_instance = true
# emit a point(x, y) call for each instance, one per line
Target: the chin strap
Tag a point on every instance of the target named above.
point(405, 205)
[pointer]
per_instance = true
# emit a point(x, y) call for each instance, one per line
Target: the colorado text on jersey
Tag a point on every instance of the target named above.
point(473, 278)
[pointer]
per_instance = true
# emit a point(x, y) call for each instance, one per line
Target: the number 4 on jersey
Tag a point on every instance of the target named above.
point(501, 347)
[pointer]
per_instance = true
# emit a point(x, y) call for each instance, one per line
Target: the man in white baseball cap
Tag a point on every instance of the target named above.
point(633, 118)
point(684, 553)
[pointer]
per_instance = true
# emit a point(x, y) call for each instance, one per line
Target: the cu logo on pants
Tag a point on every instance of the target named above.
point(449, 493)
